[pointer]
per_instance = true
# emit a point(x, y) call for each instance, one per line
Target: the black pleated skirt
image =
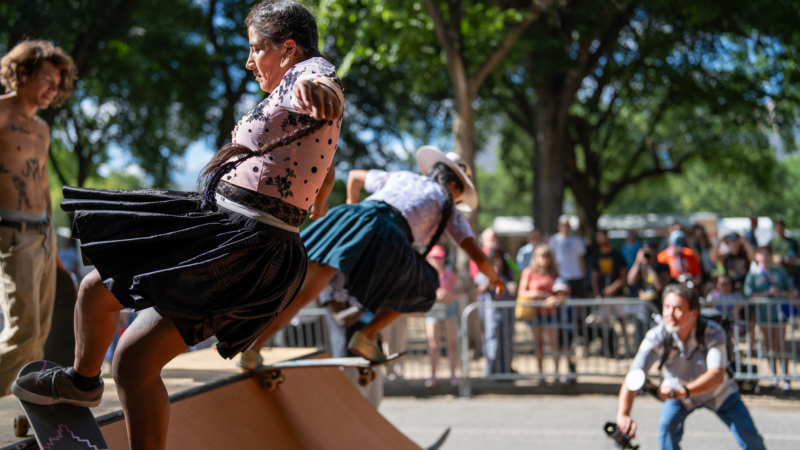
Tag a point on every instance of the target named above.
point(370, 242)
point(213, 273)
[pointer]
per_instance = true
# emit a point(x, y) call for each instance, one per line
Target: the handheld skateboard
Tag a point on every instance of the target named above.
point(273, 375)
point(60, 426)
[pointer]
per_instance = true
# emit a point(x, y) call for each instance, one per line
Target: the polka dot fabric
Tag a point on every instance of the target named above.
point(294, 172)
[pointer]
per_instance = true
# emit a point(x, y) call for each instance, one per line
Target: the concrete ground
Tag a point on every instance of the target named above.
point(561, 422)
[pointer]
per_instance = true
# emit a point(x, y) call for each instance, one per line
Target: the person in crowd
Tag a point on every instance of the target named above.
point(498, 323)
point(785, 252)
point(537, 283)
point(609, 276)
point(769, 280)
point(443, 315)
point(647, 274)
point(751, 234)
point(700, 245)
point(722, 295)
point(692, 378)
point(736, 260)
point(525, 253)
point(344, 317)
point(683, 265)
point(630, 248)
point(569, 251)
point(489, 242)
point(609, 268)
point(224, 262)
point(37, 75)
point(674, 226)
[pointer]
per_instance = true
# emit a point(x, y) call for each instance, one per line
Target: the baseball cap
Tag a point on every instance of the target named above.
point(437, 252)
point(677, 238)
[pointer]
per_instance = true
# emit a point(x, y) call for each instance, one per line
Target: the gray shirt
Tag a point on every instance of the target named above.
point(686, 363)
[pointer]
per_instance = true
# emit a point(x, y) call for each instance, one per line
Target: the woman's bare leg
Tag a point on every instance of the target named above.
point(383, 318)
point(144, 349)
point(552, 335)
point(538, 332)
point(316, 279)
point(96, 321)
point(450, 331)
point(433, 345)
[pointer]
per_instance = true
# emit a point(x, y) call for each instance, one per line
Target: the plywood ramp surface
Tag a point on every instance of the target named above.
point(314, 408)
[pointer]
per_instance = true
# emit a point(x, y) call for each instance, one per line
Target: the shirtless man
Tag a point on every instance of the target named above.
point(36, 75)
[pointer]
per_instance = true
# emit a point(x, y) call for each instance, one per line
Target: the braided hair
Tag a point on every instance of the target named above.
point(231, 155)
point(444, 176)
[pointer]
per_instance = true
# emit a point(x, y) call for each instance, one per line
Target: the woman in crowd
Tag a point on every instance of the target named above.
point(536, 283)
point(223, 263)
point(766, 280)
point(372, 243)
point(736, 260)
point(443, 315)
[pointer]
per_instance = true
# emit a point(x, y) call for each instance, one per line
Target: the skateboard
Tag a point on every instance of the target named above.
point(273, 374)
point(60, 426)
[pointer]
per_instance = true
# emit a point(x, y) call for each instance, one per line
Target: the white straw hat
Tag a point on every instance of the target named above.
point(428, 156)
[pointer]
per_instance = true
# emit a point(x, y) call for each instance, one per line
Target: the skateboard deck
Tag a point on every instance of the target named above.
point(60, 426)
point(274, 376)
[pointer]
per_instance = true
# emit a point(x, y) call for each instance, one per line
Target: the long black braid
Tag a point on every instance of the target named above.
point(444, 176)
point(231, 155)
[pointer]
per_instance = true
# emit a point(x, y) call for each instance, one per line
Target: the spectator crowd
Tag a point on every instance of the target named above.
point(724, 272)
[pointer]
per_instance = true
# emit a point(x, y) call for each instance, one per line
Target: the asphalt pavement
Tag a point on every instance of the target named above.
point(573, 422)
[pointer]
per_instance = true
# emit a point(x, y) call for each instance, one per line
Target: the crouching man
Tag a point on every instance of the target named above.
point(695, 374)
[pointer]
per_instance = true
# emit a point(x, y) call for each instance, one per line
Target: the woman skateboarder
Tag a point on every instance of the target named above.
point(372, 243)
point(225, 262)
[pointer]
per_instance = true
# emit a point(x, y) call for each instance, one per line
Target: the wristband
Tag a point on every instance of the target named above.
point(687, 391)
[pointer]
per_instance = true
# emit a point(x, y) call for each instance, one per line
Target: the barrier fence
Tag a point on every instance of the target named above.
point(585, 338)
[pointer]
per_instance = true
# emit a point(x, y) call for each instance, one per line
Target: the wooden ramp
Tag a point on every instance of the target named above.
point(220, 408)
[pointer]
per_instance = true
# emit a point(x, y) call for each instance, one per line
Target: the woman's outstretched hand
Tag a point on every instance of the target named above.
point(320, 100)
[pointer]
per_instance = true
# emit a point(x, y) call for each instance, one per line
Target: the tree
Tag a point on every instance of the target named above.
point(154, 76)
point(616, 93)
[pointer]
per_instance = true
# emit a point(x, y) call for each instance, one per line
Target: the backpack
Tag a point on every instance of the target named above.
point(700, 332)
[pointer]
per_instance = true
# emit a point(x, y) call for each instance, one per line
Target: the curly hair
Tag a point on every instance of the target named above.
point(30, 55)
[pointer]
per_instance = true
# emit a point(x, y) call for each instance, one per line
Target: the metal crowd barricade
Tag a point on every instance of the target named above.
point(764, 337)
point(582, 338)
point(585, 337)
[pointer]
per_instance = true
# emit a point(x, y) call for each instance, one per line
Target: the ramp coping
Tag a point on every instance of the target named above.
point(116, 416)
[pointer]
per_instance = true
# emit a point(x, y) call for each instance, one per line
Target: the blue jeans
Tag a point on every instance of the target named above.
point(732, 412)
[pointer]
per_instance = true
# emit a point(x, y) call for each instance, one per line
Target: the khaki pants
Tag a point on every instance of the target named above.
point(27, 295)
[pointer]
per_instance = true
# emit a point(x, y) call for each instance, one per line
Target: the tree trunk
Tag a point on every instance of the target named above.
point(548, 169)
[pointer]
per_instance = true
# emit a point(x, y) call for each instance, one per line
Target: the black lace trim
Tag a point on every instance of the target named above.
point(290, 214)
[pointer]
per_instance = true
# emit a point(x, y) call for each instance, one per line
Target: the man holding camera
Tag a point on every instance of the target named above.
point(692, 377)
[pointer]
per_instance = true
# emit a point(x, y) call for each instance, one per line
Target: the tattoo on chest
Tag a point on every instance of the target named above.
point(22, 192)
point(41, 137)
point(19, 129)
point(31, 169)
point(3, 169)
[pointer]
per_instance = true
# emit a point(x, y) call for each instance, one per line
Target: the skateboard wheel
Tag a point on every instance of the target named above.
point(363, 380)
point(269, 384)
point(21, 425)
point(371, 375)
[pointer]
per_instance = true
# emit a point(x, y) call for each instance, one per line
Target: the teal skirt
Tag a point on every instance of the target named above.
point(370, 242)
